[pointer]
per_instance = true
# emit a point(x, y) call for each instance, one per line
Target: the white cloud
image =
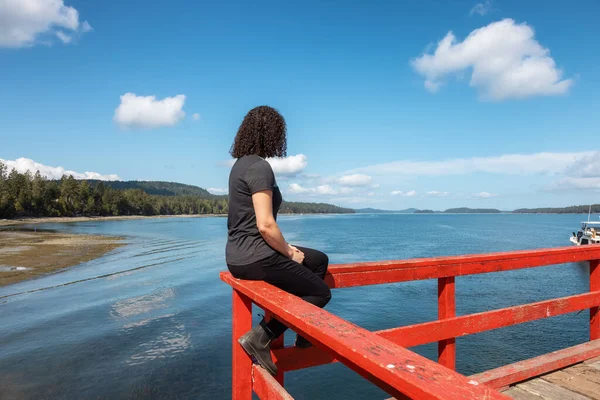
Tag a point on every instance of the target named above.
point(290, 165)
point(435, 193)
point(217, 190)
point(195, 116)
point(346, 190)
point(484, 195)
point(297, 189)
point(576, 183)
point(23, 165)
point(505, 59)
point(86, 27)
point(410, 193)
point(586, 167)
point(325, 190)
point(584, 174)
point(481, 8)
point(148, 112)
point(23, 22)
point(285, 166)
point(355, 180)
point(514, 164)
point(64, 37)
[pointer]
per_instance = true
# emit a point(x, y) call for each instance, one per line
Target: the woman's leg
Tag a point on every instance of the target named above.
point(315, 260)
point(308, 277)
point(293, 278)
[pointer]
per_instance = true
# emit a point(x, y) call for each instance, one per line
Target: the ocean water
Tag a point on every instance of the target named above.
point(152, 320)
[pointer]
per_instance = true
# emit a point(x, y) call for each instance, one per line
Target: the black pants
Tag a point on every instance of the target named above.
point(303, 280)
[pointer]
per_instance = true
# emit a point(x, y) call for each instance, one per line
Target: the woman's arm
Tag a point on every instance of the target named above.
point(268, 228)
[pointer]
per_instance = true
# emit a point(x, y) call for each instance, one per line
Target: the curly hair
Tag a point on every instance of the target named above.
point(262, 132)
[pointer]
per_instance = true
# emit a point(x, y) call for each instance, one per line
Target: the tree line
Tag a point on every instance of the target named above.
point(32, 195)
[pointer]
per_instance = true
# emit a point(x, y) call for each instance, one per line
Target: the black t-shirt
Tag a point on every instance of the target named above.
point(245, 244)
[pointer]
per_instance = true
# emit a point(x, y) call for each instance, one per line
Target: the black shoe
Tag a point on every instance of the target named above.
point(257, 343)
point(302, 343)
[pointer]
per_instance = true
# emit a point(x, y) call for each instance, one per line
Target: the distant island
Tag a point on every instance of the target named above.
point(460, 210)
point(466, 210)
point(378, 211)
point(560, 210)
point(31, 196)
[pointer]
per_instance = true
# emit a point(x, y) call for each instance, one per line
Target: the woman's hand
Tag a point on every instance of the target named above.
point(297, 255)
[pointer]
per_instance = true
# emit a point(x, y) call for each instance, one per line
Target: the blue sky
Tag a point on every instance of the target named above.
point(384, 109)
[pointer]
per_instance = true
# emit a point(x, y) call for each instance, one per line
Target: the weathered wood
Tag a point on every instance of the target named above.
point(549, 391)
point(592, 360)
point(380, 357)
point(595, 365)
point(574, 383)
point(588, 372)
point(526, 369)
point(594, 311)
point(275, 345)
point(371, 273)
point(414, 335)
point(447, 309)
point(241, 363)
point(400, 370)
point(520, 394)
point(266, 387)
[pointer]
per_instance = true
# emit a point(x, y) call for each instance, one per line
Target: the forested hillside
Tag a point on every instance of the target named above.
point(27, 195)
point(158, 187)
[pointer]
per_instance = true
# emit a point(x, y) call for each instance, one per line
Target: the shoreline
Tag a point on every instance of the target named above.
point(60, 220)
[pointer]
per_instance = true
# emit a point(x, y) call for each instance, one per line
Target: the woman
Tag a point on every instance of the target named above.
point(256, 249)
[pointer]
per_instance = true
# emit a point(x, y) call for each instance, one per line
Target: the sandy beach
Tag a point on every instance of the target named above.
point(27, 254)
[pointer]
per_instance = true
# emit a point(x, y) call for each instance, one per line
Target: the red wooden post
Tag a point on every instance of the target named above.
point(241, 385)
point(446, 309)
point(276, 344)
point(594, 315)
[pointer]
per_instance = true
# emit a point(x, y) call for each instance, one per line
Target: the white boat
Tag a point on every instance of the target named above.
point(588, 234)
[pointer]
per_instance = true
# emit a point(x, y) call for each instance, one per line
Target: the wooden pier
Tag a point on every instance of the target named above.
point(577, 382)
point(383, 357)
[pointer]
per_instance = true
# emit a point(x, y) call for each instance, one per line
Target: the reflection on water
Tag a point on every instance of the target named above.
point(151, 320)
point(142, 304)
point(169, 343)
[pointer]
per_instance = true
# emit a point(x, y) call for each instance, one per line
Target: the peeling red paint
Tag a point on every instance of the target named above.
point(382, 357)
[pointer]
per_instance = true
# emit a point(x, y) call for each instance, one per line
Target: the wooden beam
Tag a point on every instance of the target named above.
point(397, 370)
point(241, 363)
point(266, 387)
point(522, 370)
point(428, 332)
point(418, 334)
point(594, 314)
point(447, 309)
point(372, 273)
point(275, 345)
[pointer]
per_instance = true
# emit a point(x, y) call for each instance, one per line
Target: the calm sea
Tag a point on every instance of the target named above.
point(152, 319)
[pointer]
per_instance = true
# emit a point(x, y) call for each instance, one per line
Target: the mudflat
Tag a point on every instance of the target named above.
point(29, 254)
point(43, 220)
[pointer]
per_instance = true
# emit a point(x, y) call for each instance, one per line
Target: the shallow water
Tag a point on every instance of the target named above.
point(152, 319)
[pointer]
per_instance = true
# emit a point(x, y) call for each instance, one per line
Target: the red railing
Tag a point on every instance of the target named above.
point(382, 357)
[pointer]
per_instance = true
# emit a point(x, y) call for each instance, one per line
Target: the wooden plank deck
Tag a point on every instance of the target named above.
point(577, 382)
